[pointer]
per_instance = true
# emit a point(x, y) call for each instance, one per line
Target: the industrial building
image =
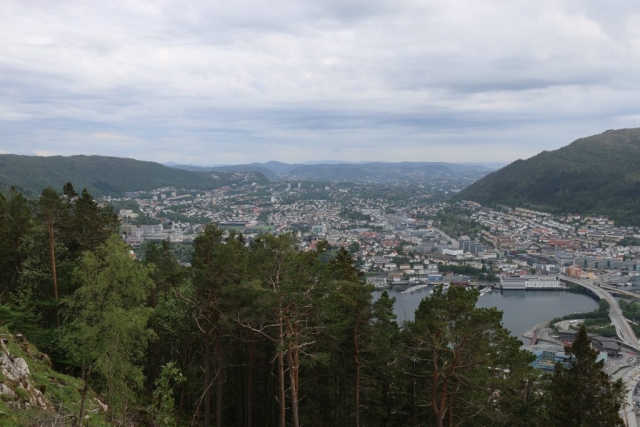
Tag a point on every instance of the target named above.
point(599, 343)
point(530, 282)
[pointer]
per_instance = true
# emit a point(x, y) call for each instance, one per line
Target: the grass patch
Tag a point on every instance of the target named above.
point(62, 391)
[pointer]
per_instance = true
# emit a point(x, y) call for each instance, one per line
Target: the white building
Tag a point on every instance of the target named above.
point(529, 282)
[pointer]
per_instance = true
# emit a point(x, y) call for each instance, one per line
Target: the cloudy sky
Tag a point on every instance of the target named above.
point(221, 82)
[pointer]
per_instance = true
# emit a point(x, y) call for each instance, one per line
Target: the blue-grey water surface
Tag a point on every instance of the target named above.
point(522, 309)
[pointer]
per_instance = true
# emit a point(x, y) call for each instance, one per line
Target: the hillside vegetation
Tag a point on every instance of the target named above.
point(595, 175)
point(99, 174)
point(32, 393)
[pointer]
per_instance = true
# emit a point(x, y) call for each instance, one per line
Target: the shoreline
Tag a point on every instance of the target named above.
point(538, 328)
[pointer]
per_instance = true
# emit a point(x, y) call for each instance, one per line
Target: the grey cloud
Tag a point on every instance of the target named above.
point(361, 79)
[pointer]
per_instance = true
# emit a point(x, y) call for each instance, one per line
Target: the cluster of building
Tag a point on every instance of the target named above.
point(390, 239)
point(577, 246)
point(548, 355)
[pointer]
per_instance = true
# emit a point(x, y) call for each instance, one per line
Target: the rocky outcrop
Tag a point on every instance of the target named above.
point(16, 388)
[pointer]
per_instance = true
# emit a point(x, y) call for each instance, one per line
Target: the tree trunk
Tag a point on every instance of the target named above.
point(281, 389)
point(250, 380)
point(356, 359)
point(207, 379)
point(52, 246)
point(293, 387)
point(218, 375)
point(85, 387)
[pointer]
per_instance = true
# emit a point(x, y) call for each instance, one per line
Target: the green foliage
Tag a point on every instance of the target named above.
point(107, 329)
point(98, 174)
point(61, 390)
point(603, 305)
point(469, 271)
point(581, 393)
point(464, 357)
point(353, 215)
point(15, 225)
point(456, 221)
point(163, 407)
point(630, 309)
point(594, 175)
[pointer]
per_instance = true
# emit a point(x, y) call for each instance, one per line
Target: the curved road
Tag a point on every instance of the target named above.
point(625, 333)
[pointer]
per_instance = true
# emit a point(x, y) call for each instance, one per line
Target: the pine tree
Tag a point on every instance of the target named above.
point(581, 393)
point(461, 357)
point(53, 214)
point(16, 224)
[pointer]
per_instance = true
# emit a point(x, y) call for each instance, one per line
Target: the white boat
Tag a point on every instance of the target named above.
point(485, 291)
point(414, 289)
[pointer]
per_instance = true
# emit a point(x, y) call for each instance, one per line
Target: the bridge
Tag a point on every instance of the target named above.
point(617, 290)
point(623, 329)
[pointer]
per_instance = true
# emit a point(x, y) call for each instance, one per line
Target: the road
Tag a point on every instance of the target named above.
point(446, 236)
point(630, 379)
point(626, 334)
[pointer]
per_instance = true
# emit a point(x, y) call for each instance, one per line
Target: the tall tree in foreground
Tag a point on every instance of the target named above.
point(107, 331)
point(382, 368)
point(53, 214)
point(91, 224)
point(581, 393)
point(218, 263)
point(461, 358)
point(15, 225)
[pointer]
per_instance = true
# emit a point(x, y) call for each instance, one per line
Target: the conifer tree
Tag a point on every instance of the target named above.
point(16, 223)
point(581, 393)
point(461, 357)
point(52, 213)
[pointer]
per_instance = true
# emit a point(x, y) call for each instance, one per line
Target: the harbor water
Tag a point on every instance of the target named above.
point(522, 309)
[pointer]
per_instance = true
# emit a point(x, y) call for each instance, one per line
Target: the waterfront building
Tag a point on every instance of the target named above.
point(529, 282)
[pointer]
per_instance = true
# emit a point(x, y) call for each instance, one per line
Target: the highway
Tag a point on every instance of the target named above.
point(630, 379)
point(626, 335)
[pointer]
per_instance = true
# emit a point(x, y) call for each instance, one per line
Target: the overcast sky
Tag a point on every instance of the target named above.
point(222, 82)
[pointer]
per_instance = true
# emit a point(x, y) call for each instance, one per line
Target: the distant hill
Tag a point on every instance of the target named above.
point(100, 175)
point(378, 171)
point(595, 175)
point(342, 171)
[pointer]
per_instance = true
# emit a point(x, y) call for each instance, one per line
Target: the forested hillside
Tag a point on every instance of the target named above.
point(595, 175)
point(253, 334)
point(100, 175)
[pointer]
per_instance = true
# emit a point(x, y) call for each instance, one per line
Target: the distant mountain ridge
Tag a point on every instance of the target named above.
point(344, 171)
point(599, 174)
point(99, 174)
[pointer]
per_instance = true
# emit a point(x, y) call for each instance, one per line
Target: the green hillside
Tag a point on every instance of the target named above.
point(595, 175)
point(100, 175)
point(32, 393)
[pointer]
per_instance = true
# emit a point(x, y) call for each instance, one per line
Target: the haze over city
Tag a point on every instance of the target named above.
point(235, 82)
